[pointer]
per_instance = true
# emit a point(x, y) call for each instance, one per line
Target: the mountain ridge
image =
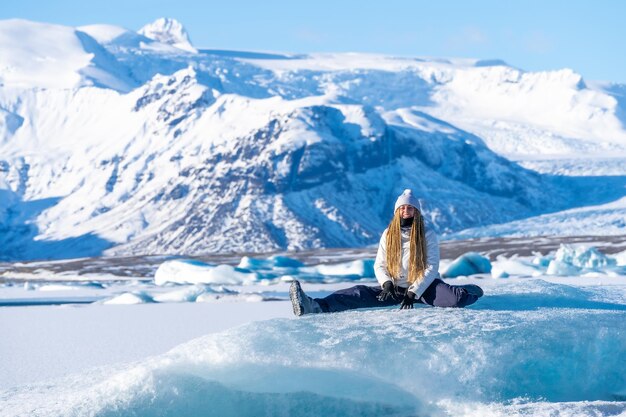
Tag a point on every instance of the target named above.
point(219, 153)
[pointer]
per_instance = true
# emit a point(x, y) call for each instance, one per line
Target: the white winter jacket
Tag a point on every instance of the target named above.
point(432, 262)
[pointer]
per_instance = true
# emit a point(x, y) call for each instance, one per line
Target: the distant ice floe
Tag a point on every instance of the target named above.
point(188, 280)
point(260, 271)
point(470, 263)
point(195, 272)
point(570, 260)
point(62, 286)
point(59, 287)
point(136, 297)
point(184, 294)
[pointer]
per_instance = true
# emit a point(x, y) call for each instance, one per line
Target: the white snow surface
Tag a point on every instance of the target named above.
point(604, 219)
point(51, 56)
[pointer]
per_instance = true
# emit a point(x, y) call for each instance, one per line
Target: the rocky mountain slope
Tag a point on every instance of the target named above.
point(140, 143)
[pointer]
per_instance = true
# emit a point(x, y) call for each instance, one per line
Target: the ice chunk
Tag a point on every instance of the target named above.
point(137, 297)
point(362, 268)
point(503, 268)
point(60, 287)
point(620, 258)
point(194, 293)
point(261, 271)
point(583, 257)
point(574, 260)
point(469, 263)
point(541, 261)
point(247, 298)
point(187, 294)
point(196, 272)
point(499, 272)
point(562, 268)
point(275, 261)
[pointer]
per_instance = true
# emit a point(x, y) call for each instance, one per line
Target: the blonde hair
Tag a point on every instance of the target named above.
point(417, 248)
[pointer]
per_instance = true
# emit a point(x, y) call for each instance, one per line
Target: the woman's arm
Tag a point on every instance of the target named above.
point(380, 265)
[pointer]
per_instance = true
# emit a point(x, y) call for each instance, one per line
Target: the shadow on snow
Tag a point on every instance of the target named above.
point(18, 234)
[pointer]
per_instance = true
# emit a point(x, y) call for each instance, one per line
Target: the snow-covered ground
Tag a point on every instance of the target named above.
point(212, 338)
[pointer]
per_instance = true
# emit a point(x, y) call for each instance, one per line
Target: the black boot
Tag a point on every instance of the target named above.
point(302, 303)
point(473, 289)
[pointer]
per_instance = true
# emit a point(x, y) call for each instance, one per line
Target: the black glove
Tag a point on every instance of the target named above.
point(408, 300)
point(389, 292)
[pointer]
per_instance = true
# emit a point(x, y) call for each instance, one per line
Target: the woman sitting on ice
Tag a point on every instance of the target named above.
point(407, 268)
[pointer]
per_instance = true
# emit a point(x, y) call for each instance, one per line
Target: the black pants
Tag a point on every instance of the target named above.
point(438, 294)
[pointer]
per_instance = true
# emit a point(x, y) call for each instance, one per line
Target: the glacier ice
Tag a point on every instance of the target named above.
point(250, 270)
point(572, 260)
point(568, 260)
point(469, 263)
point(527, 348)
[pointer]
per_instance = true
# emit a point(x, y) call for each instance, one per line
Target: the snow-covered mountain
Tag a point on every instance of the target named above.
point(125, 142)
point(169, 32)
point(56, 57)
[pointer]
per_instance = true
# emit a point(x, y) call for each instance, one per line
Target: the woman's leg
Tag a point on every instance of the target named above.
point(360, 296)
point(440, 294)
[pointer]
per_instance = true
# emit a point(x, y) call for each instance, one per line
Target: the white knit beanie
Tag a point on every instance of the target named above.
point(407, 197)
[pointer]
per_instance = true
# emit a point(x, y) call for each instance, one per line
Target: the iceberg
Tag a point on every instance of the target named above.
point(252, 270)
point(187, 271)
point(362, 268)
point(275, 261)
point(567, 261)
point(469, 263)
point(504, 268)
point(573, 260)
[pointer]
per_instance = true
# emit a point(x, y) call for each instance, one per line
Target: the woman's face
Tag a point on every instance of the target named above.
point(407, 211)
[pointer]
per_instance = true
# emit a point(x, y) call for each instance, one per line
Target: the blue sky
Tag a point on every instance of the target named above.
point(587, 36)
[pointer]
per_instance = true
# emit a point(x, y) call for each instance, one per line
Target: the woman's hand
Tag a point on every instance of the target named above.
point(408, 300)
point(389, 292)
